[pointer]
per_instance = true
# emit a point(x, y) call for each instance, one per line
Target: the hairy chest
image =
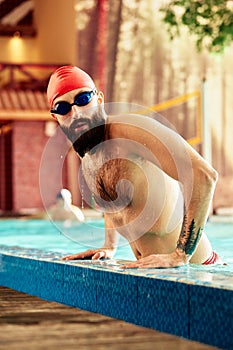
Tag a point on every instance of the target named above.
point(112, 180)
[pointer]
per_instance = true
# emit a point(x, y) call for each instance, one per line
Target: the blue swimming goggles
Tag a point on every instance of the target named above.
point(81, 99)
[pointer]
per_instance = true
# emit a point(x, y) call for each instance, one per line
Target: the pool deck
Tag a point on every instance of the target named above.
point(30, 322)
point(195, 304)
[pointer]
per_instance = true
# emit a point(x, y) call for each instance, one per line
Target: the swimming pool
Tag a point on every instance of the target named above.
point(182, 301)
point(55, 236)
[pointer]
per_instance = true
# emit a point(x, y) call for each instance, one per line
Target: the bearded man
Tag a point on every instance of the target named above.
point(152, 186)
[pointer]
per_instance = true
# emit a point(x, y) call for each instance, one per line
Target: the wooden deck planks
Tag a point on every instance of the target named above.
point(27, 322)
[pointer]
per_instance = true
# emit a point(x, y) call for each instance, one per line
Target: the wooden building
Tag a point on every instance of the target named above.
point(32, 46)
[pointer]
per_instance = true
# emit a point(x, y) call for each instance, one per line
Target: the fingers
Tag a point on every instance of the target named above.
point(73, 257)
point(155, 261)
point(144, 262)
point(129, 266)
point(98, 255)
point(84, 255)
point(134, 265)
point(89, 254)
point(151, 261)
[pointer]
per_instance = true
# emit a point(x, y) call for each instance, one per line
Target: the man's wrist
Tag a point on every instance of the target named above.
point(182, 255)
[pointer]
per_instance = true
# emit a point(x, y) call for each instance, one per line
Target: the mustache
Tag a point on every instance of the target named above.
point(79, 121)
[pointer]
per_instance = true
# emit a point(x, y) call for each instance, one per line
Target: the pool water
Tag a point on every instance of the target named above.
point(221, 237)
point(55, 236)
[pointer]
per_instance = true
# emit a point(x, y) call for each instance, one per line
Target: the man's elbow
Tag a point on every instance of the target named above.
point(210, 176)
point(213, 174)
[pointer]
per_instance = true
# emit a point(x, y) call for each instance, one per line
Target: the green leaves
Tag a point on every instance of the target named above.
point(210, 22)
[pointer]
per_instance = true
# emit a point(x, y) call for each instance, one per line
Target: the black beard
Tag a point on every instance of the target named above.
point(87, 140)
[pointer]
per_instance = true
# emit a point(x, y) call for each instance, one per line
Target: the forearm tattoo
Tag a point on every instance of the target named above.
point(189, 237)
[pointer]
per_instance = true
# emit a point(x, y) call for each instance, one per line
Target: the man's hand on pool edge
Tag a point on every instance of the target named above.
point(92, 254)
point(174, 259)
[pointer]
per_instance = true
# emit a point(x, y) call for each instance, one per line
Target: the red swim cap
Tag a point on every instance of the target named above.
point(65, 79)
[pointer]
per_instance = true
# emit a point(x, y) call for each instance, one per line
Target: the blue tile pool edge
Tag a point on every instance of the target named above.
point(196, 312)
